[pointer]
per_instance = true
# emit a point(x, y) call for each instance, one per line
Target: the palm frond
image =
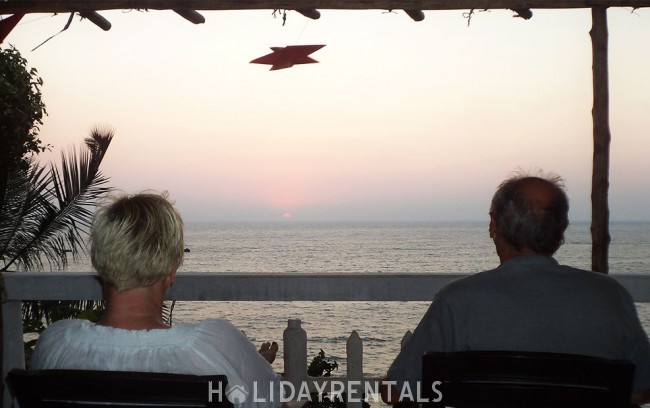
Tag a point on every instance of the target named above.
point(57, 209)
point(168, 312)
point(25, 204)
point(53, 310)
point(46, 213)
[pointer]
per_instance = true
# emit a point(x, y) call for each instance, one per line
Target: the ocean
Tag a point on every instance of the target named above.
point(419, 247)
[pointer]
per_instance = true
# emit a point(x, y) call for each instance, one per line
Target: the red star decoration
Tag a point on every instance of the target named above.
point(287, 57)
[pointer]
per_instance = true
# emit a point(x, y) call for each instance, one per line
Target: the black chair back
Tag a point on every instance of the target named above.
point(508, 379)
point(87, 388)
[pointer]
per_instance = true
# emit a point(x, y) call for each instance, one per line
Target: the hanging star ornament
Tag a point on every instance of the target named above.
point(287, 57)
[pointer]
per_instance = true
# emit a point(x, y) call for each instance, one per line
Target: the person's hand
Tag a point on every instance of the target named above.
point(269, 350)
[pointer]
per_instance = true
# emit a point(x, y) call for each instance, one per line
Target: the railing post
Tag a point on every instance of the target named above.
point(13, 353)
point(295, 353)
point(355, 382)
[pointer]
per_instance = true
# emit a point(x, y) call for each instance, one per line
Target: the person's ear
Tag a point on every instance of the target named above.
point(169, 279)
point(493, 225)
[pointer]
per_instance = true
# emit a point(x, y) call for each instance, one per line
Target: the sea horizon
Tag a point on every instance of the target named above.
point(364, 247)
point(293, 246)
point(293, 220)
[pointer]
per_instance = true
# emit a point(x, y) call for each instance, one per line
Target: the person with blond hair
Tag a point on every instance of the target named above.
point(136, 248)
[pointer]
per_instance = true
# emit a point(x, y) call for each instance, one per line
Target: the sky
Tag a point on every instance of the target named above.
point(399, 121)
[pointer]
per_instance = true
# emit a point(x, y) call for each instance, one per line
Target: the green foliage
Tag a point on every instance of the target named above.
point(168, 312)
point(31, 328)
point(320, 366)
point(93, 314)
point(336, 401)
point(21, 111)
point(45, 215)
point(37, 315)
point(47, 210)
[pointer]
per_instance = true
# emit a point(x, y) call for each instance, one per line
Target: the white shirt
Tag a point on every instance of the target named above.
point(213, 346)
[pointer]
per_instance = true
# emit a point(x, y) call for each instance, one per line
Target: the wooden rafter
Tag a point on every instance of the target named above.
point(61, 6)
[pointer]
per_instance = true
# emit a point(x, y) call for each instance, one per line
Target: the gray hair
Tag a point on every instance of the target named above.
point(524, 220)
point(136, 240)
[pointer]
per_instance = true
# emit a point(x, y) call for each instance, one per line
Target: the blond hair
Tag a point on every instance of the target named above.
point(136, 240)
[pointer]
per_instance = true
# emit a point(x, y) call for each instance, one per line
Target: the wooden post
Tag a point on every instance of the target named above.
point(600, 173)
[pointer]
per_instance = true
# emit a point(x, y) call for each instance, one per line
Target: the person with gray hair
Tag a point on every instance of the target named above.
point(529, 302)
point(137, 247)
point(531, 220)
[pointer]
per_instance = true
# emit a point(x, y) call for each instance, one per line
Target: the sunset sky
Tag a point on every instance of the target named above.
point(400, 120)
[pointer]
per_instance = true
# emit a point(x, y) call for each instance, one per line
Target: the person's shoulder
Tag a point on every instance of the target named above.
point(222, 323)
point(59, 334)
point(71, 323)
point(221, 326)
point(486, 281)
point(466, 285)
point(62, 326)
point(223, 335)
point(476, 278)
point(595, 279)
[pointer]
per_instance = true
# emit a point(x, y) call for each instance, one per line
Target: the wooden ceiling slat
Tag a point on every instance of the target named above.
point(61, 6)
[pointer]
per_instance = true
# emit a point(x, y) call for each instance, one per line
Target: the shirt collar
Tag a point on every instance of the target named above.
point(530, 260)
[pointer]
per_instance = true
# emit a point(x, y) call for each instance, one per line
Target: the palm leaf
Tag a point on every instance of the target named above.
point(46, 214)
point(53, 211)
point(53, 310)
point(25, 203)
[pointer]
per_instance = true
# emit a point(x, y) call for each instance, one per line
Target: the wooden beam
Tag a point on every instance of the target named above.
point(600, 174)
point(416, 15)
point(309, 13)
point(191, 15)
point(62, 6)
point(97, 19)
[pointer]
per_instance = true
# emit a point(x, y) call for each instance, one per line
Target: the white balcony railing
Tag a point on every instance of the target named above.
point(248, 287)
